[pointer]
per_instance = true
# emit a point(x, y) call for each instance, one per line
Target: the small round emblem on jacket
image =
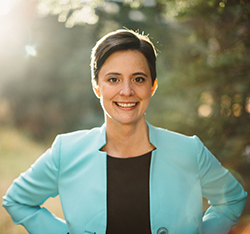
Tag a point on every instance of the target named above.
point(162, 230)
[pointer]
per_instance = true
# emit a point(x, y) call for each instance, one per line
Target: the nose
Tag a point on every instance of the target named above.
point(126, 89)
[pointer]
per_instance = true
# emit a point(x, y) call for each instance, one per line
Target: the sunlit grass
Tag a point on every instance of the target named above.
point(17, 153)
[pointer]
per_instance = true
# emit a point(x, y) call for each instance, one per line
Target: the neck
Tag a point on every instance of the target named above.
point(127, 140)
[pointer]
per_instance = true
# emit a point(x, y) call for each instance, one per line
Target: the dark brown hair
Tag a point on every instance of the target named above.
point(122, 40)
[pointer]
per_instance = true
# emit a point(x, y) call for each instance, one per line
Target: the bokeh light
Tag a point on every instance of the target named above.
point(16, 17)
point(6, 6)
point(30, 50)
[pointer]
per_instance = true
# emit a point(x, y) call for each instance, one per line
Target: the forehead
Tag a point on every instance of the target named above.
point(126, 60)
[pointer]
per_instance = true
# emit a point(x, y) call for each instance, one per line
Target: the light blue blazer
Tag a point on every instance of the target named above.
point(182, 171)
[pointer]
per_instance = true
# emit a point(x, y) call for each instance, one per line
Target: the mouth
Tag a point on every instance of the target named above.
point(126, 105)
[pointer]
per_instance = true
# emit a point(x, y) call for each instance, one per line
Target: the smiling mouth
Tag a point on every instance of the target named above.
point(126, 105)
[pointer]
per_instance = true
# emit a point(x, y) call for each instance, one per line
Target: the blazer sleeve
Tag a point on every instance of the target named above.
point(225, 195)
point(30, 190)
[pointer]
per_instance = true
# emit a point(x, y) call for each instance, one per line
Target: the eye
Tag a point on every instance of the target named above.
point(113, 79)
point(139, 79)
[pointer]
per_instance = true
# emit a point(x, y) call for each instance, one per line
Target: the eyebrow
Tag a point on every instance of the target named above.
point(113, 73)
point(134, 74)
point(139, 73)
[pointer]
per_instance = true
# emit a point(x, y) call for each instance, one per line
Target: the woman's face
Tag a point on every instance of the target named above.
point(125, 86)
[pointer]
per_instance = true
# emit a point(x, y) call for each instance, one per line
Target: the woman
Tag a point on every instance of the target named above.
point(126, 176)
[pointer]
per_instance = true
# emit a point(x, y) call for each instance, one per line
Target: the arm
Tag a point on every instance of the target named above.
point(225, 195)
point(31, 189)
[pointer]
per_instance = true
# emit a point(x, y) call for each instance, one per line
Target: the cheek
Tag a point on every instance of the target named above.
point(146, 94)
point(106, 93)
point(104, 104)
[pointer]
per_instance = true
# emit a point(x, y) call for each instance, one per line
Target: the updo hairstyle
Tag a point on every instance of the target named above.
point(122, 40)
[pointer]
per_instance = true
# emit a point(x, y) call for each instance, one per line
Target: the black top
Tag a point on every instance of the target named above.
point(128, 195)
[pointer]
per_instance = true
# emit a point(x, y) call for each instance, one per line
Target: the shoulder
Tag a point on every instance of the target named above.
point(167, 137)
point(81, 134)
point(81, 138)
point(176, 145)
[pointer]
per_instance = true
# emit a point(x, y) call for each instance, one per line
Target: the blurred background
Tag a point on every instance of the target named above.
point(45, 89)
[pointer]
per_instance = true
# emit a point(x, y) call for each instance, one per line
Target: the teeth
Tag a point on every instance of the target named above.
point(126, 104)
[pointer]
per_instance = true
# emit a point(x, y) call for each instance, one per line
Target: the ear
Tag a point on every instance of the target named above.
point(154, 87)
point(96, 90)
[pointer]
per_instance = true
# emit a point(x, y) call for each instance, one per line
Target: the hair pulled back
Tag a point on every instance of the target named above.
point(122, 40)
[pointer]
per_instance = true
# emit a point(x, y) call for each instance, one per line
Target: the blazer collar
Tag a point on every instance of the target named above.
point(101, 138)
point(152, 134)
